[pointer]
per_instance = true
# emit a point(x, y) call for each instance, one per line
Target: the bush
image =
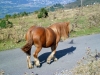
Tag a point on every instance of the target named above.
point(43, 13)
point(36, 12)
point(7, 16)
point(24, 14)
point(40, 15)
point(5, 24)
point(14, 15)
point(17, 15)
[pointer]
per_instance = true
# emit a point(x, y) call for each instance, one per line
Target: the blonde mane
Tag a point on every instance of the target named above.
point(61, 28)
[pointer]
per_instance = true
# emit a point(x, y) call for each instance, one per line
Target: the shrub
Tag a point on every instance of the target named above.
point(24, 14)
point(43, 13)
point(5, 24)
point(40, 15)
point(36, 12)
point(7, 16)
point(14, 15)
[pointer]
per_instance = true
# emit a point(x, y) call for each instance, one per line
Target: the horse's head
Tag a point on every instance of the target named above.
point(65, 30)
point(68, 28)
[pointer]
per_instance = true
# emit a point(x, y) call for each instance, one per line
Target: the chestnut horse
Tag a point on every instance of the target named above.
point(44, 37)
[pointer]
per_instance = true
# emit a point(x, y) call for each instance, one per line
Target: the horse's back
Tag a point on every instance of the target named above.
point(50, 37)
point(43, 37)
point(27, 36)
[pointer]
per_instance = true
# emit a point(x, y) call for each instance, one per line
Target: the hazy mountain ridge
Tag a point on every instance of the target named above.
point(16, 6)
point(74, 4)
point(77, 3)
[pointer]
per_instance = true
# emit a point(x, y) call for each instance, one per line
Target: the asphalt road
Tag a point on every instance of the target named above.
point(13, 62)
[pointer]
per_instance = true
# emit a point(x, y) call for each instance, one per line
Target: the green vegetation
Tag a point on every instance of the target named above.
point(10, 44)
point(4, 23)
point(16, 15)
point(43, 13)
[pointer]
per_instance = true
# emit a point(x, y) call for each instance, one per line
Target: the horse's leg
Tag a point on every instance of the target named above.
point(29, 62)
point(28, 59)
point(52, 55)
point(35, 55)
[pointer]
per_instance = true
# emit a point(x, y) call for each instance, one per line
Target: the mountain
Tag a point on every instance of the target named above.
point(54, 7)
point(77, 3)
point(74, 4)
point(17, 6)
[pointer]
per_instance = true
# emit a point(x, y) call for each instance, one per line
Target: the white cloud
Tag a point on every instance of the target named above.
point(6, 2)
point(27, 5)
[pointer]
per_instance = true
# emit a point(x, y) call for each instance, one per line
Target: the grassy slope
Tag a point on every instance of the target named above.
point(76, 16)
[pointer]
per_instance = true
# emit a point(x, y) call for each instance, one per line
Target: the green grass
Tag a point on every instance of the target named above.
point(9, 44)
point(86, 31)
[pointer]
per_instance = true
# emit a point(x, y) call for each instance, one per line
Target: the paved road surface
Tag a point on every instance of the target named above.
point(13, 62)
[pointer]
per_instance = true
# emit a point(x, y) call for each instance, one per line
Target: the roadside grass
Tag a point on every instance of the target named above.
point(9, 44)
point(86, 31)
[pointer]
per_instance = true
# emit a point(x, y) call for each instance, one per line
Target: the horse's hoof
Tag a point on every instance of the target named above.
point(48, 62)
point(55, 59)
point(30, 67)
point(37, 65)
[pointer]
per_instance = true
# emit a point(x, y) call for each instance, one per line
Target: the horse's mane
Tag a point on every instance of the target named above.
point(62, 28)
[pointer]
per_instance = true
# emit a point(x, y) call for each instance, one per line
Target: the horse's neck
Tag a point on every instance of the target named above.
point(57, 31)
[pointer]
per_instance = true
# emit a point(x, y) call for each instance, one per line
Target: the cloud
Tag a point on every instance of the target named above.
point(35, 3)
point(27, 5)
point(6, 2)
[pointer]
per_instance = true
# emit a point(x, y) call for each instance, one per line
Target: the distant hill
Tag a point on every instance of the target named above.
point(77, 3)
point(54, 7)
point(74, 4)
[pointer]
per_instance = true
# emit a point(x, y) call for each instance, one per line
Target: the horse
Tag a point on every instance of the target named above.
point(44, 37)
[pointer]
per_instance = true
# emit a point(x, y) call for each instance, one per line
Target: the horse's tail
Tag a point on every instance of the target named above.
point(27, 47)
